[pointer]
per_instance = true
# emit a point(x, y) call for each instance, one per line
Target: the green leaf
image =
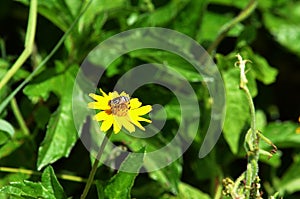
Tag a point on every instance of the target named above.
point(188, 192)
point(261, 68)
point(49, 187)
point(207, 164)
point(169, 176)
point(161, 15)
point(26, 189)
point(282, 134)
point(51, 183)
point(60, 137)
point(284, 24)
point(238, 4)
point(237, 109)
point(290, 181)
point(170, 60)
point(261, 119)
point(187, 22)
point(119, 186)
point(49, 9)
point(209, 32)
point(11, 145)
point(61, 134)
point(7, 127)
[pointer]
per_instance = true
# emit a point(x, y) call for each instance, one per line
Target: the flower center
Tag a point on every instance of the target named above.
point(120, 109)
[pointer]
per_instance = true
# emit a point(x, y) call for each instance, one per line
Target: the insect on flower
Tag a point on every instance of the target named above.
point(119, 105)
point(119, 110)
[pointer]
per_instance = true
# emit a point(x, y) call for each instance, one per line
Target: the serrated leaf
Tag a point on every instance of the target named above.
point(7, 127)
point(61, 134)
point(49, 187)
point(60, 137)
point(26, 189)
point(51, 183)
point(119, 186)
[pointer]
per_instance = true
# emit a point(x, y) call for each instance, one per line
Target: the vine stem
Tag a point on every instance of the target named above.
point(6, 101)
point(253, 153)
point(225, 29)
point(19, 117)
point(243, 85)
point(29, 40)
point(95, 166)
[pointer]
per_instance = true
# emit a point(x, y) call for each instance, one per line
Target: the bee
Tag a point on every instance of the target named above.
point(119, 100)
point(119, 105)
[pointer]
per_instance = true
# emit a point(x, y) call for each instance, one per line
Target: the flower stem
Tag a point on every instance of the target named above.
point(95, 166)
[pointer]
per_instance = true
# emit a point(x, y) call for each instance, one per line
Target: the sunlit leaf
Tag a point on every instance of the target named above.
point(119, 186)
point(7, 127)
point(284, 24)
point(162, 15)
point(282, 134)
point(186, 191)
point(48, 188)
point(61, 134)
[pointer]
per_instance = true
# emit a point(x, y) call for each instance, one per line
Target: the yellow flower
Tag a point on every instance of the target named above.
point(118, 110)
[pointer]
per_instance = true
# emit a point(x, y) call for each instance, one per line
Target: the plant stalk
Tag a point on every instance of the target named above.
point(253, 152)
point(95, 166)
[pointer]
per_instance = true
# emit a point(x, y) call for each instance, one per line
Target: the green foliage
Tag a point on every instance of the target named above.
point(268, 37)
point(119, 186)
point(49, 187)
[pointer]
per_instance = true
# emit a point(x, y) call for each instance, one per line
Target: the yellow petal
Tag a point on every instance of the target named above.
point(103, 93)
point(94, 105)
point(135, 103)
point(124, 94)
point(144, 119)
point(101, 116)
point(114, 94)
point(142, 110)
point(96, 97)
point(130, 127)
point(106, 124)
point(117, 125)
point(134, 119)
